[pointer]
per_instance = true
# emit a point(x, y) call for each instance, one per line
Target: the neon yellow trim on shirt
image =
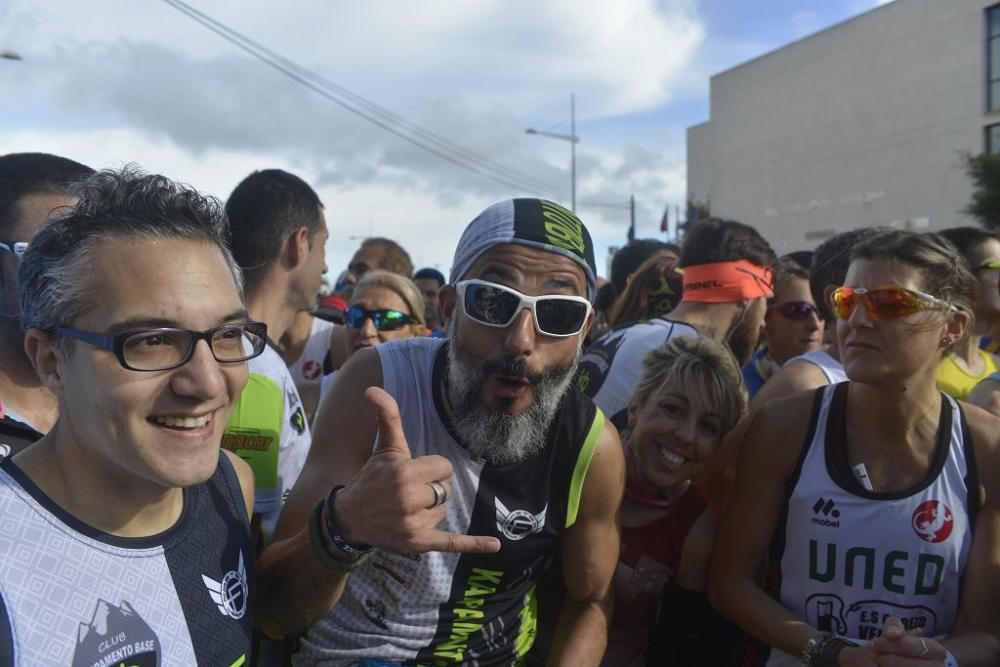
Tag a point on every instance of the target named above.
point(254, 429)
point(582, 465)
point(529, 626)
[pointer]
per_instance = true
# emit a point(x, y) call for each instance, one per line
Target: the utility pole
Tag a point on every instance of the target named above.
point(572, 151)
point(573, 140)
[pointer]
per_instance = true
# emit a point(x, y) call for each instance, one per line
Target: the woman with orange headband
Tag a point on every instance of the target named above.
point(874, 504)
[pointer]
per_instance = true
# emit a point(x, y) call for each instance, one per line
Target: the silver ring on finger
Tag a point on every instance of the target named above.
point(440, 493)
point(926, 648)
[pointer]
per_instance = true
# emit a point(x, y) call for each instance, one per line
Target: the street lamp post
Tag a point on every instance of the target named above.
point(573, 140)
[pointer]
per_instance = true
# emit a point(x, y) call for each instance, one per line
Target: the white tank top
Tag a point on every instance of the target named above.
point(832, 369)
point(308, 368)
point(612, 365)
point(844, 559)
point(447, 608)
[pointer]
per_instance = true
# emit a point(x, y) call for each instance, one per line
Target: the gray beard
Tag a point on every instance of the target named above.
point(500, 438)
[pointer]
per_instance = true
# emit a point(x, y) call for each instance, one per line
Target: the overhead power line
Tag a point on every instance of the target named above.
point(373, 113)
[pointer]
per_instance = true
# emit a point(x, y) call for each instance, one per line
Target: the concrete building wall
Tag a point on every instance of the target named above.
point(861, 124)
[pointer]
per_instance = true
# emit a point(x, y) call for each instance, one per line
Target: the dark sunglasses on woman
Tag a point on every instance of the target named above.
point(384, 319)
point(794, 310)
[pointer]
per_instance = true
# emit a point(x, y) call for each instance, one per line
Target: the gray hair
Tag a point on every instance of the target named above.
point(113, 205)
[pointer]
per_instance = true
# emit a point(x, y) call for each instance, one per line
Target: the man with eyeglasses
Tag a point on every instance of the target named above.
point(32, 186)
point(126, 533)
point(425, 547)
point(278, 235)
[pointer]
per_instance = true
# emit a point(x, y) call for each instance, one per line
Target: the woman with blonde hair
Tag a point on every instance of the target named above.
point(384, 306)
point(690, 395)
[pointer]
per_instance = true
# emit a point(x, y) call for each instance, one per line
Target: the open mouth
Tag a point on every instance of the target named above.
point(511, 386)
point(182, 423)
point(672, 458)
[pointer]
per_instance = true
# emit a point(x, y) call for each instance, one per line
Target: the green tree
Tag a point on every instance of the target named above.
point(984, 170)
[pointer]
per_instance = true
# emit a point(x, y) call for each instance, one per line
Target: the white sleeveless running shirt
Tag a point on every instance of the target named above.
point(832, 369)
point(309, 367)
point(844, 559)
point(443, 608)
point(612, 365)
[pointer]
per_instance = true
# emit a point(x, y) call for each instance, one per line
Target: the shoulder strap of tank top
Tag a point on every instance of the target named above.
point(972, 473)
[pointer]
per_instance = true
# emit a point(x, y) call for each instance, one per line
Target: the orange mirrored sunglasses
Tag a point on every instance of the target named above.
point(884, 303)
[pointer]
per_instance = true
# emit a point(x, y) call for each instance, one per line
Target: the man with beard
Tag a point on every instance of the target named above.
point(486, 462)
point(727, 269)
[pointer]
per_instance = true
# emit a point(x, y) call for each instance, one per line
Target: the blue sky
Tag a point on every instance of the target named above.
point(121, 80)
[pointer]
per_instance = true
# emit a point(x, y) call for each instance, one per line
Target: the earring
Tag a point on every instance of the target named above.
point(946, 342)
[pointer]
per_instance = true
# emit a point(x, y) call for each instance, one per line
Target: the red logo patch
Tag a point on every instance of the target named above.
point(932, 521)
point(311, 370)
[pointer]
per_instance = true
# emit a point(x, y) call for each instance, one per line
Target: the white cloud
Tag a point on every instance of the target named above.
point(122, 81)
point(623, 57)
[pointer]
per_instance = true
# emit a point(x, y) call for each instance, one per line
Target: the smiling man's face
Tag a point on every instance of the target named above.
point(161, 428)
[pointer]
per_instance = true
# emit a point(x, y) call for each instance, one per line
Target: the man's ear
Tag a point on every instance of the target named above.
point(446, 302)
point(46, 357)
point(296, 248)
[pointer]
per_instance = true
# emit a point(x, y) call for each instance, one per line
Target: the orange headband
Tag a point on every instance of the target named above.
point(727, 282)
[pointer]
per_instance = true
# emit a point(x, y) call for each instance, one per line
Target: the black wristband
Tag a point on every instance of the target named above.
point(322, 552)
point(331, 527)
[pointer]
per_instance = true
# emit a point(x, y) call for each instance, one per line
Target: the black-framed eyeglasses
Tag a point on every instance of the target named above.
point(384, 319)
point(18, 248)
point(163, 348)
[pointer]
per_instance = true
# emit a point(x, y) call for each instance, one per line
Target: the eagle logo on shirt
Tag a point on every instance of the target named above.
point(232, 594)
point(518, 524)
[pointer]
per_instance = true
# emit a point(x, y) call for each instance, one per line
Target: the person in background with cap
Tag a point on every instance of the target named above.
point(425, 547)
point(727, 281)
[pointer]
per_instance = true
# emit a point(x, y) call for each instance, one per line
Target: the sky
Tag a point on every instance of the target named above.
point(110, 82)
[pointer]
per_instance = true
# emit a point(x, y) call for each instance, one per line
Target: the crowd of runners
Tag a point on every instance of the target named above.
point(209, 456)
